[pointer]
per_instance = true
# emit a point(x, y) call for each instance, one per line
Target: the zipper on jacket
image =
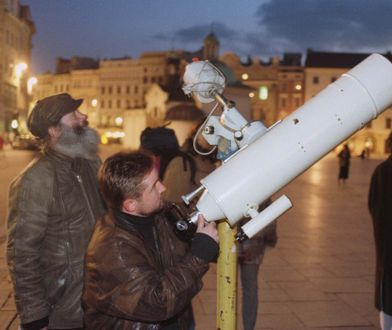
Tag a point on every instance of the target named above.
point(79, 178)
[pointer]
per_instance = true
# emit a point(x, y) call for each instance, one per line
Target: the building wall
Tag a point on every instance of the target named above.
point(316, 79)
point(290, 90)
point(371, 138)
point(274, 94)
point(16, 31)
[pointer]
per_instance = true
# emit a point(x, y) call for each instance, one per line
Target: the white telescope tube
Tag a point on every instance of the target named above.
point(269, 214)
point(297, 142)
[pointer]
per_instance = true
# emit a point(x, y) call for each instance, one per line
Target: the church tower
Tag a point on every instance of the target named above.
point(211, 47)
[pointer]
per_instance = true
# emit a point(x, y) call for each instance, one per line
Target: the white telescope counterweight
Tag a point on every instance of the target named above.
point(291, 146)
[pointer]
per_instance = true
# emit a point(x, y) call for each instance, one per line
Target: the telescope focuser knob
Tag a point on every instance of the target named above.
point(209, 130)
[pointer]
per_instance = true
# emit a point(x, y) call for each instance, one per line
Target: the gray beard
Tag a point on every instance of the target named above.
point(78, 142)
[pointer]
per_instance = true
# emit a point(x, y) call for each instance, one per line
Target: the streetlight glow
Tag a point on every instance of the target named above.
point(14, 124)
point(19, 69)
point(119, 121)
point(245, 76)
point(30, 83)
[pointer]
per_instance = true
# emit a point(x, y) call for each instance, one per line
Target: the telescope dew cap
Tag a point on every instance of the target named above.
point(49, 111)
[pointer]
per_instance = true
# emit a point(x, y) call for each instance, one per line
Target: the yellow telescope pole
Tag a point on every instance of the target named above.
point(227, 278)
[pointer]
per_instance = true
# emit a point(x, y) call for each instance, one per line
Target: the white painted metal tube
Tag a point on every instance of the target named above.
point(298, 141)
point(265, 217)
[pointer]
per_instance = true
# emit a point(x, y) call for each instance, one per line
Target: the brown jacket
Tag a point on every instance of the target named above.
point(52, 209)
point(129, 285)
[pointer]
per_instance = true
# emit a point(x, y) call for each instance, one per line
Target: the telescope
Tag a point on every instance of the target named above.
point(263, 160)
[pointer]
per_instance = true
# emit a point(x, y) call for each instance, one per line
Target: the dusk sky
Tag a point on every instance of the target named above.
point(259, 28)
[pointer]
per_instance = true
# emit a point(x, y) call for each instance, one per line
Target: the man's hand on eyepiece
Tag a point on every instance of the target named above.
point(207, 228)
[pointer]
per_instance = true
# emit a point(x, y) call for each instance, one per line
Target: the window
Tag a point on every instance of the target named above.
point(283, 103)
point(118, 89)
point(388, 123)
point(118, 104)
point(263, 92)
point(297, 102)
point(316, 80)
point(103, 89)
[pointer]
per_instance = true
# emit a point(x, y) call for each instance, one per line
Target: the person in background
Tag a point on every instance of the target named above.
point(52, 208)
point(139, 275)
point(162, 143)
point(184, 172)
point(344, 164)
point(380, 207)
point(250, 256)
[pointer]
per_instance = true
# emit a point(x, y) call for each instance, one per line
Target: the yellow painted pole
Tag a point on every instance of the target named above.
point(227, 278)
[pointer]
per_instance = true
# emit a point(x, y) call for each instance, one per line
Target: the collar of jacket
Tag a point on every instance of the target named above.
point(56, 155)
point(132, 222)
point(74, 163)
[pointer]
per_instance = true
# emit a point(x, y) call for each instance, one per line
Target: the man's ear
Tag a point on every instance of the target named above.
point(54, 131)
point(129, 205)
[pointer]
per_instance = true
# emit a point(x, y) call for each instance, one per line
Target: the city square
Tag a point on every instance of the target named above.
point(320, 275)
point(274, 95)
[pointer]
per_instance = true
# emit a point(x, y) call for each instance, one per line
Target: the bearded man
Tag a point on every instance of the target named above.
point(52, 209)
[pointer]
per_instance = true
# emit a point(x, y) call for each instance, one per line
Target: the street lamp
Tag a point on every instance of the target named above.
point(30, 84)
point(19, 69)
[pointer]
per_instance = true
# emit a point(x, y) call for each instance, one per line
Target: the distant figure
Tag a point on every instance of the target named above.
point(363, 154)
point(344, 164)
point(250, 257)
point(380, 207)
point(184, 172)
point(162, 143)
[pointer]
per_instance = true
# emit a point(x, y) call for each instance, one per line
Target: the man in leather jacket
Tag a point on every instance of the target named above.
point(138, 274)
point(52, 209)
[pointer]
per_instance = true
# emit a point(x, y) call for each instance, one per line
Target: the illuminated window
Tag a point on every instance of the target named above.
point(251, 94)
point(388, 123)
point(298, 87)
point(263, 92)
point(245, 76)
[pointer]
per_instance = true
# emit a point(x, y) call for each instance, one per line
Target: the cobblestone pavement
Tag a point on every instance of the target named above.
point(320, 275)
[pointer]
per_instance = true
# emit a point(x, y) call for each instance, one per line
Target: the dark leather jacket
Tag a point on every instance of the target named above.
point(53, 204)
point(132, 285)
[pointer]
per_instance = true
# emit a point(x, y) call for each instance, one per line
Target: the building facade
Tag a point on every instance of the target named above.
point(277, 85)
point(16, 30)
point(323, 68)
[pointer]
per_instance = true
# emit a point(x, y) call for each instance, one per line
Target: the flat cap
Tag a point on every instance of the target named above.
point(48, 112)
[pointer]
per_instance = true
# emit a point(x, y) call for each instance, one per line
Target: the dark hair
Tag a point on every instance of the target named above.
point(121, 176)
point(158, 140)
point(161, 142)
